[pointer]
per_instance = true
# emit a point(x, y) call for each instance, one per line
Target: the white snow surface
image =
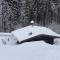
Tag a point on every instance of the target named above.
point(23, 33)
point(7, 39)
point(30, 51)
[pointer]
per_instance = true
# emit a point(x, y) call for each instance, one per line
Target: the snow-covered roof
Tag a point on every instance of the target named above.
point(24, 33)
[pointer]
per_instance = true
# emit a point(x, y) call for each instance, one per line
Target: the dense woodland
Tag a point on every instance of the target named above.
point(19, 13)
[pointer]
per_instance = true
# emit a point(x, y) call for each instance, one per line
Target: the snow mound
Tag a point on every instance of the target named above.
point(29, 31)
point(36, 43)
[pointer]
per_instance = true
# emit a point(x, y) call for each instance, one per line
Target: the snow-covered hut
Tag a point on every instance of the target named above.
point(35, 33)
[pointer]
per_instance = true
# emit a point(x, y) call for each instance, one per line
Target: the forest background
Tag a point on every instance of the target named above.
point(15, 14)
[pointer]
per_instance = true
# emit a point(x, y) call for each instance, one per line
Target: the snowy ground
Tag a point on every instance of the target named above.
point(30, 51)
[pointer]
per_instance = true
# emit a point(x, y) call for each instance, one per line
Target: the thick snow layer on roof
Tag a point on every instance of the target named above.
point(30, 51)
point(24, 33)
